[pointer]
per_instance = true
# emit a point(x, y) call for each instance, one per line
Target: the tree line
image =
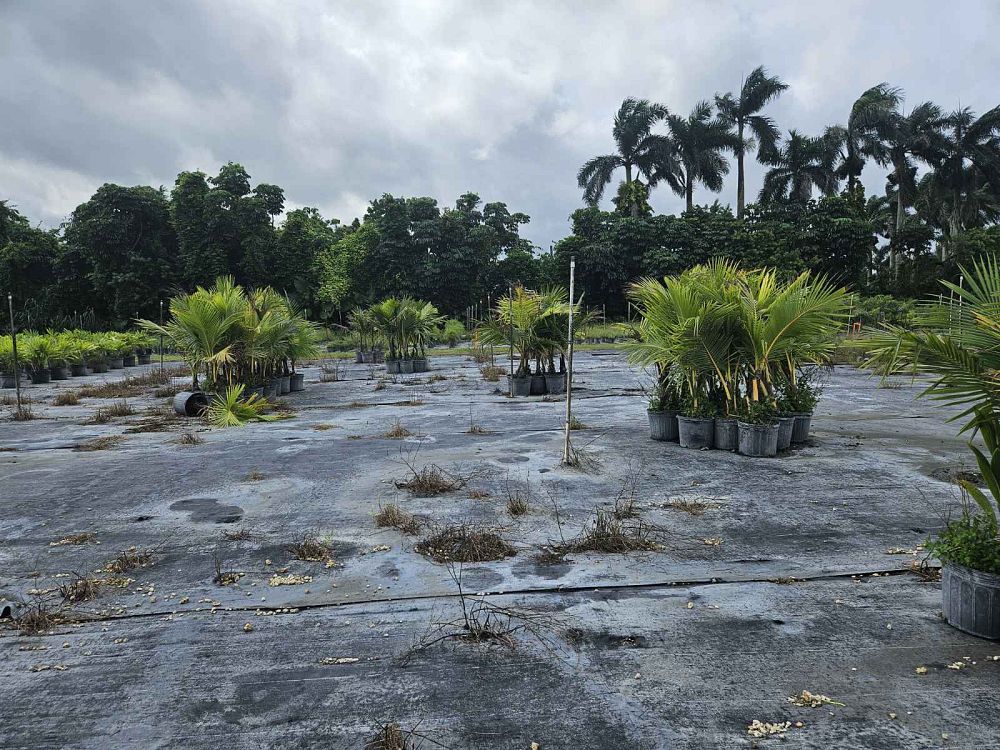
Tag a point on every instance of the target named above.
point(126, 248)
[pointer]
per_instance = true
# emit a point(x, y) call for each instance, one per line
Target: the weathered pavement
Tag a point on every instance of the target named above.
point(674, 649)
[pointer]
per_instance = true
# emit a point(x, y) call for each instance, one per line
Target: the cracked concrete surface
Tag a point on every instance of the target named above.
point(681, 648)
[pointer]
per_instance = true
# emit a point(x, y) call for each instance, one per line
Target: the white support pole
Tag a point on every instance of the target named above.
point(569, 365)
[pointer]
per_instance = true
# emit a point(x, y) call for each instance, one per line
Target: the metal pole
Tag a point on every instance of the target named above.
point(569, 365)
point(510, 322)
point(13, 339)
point(161, 335)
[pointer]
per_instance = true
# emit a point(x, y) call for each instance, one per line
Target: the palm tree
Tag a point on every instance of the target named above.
point(742, 113)
point(917, 134)
point(801, 164)
point(635, 143)
point(694, 152)
point(969, 162)
point(868, 128)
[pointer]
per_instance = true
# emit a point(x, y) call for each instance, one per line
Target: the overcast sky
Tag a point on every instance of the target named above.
point(338, 102)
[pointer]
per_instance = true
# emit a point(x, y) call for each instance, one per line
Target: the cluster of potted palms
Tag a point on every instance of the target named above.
point(536, 325)
point(956, 342)
point(233, 339)
point(367, 339)
point(58, 356)
point(735, 353)
point(406, 326)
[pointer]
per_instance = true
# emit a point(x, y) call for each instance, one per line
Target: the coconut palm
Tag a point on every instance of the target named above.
point(797, 167)
point(753, 130)
point(694, 152)
point(636, 146)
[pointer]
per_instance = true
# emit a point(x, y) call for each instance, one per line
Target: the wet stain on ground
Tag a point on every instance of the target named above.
point(512, 459)
point(605, 640)
point(532, 566)
point(208, 509)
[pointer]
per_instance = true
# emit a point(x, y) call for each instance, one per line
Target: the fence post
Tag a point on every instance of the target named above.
point(569, 364)
point(13, 344)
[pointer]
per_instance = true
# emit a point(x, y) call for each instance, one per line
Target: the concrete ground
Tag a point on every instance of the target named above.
point(791, 574)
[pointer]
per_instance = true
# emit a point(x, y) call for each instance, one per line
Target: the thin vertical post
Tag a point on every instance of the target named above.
point(161, 335)
point(13, 340)
point(510, 322)
point(569, 364)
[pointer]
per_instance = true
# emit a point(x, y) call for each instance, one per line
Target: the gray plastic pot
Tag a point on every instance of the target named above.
point(361, 357)
point(143, 358)
point(726, 434)
point(522, 385)
point(662, 425)
point(128, 361)
point(537, 385)
point(98, 365)
point(59, 373)
point(786, 426)
point(41, 375)
point(555, 383)
point(759, 440)
point(7, 380)
point(695, 432)
point(297, 382)
point(190, 403)
point(115, 363)
point(406, 366)
point(970, 600)
point(271, 389)
point(421, 365)
point(800, 433)
point(392, 366)
point(285, 384)
point(78, 370)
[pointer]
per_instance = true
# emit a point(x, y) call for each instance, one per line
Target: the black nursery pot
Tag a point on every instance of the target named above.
point(695, 432)
point(970, 600)
point(555, 383)
point(758, 440)
point(537, 385)
point(662, 425)
point(41, 375)
point(726, 434)
point(521, 385)
point(297, 382)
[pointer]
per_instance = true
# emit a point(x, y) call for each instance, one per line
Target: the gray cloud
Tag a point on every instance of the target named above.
point(339, 102)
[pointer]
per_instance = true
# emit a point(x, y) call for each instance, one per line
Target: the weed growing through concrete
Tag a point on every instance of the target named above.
point(24, 414)
point(36, 615)
point(129, 560)
point(98, 444)
point(397, 431)
point(66, 398)
point(392, 516)
point(518, 495)
point(430, 480)
point(390, 737)
point(81, 589)
point(310, 548)
point(223, 577)
point(379, 386)
point(324, 426)
point(464, 543)
point(609, 534)
point(241, 534)
point(189, 438)
point(576, 424)
point(691, 507)
point(491, 373)
point(628, 491)
point(133, 386)
point(256, 476)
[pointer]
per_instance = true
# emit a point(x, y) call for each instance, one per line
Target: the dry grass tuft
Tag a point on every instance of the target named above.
point(396, 432)
point(169, 391)
point(256, 476)
point(429, 481)
point(81, 589)
point(389, 737)
point(576, 424)
point(311, 549)
point(491, 373)
point(24, 414)
point(691, 507)
point(324, 426)
point(224, 577)
point(392, 516)
point(241, 534)
point(133, 386)
point(66, 398)
point(379, 386)
point(38, 616)
point(517, 506)
point(98, 444)
point(477, 494)
point(477, 429)
point(189, 438)
point(609, 534)
point(129, 560)
point(84, 537)
point(464, 543)
point(437, 378)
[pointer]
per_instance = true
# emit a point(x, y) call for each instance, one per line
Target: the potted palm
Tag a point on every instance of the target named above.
point(958, 346)
point(758, 429)
point(696, 421)
point(59, 354)
point(6, 362)
point(37, 350)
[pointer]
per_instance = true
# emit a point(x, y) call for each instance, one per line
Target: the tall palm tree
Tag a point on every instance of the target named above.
point(636, 145)
point(799, 165)
point(970, 161)
point(867, 130)
point(695, 152)
point(914, 135)
point(753, 129)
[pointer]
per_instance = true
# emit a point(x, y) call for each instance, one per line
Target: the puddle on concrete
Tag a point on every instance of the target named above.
point(208, 509)
point(512, 459)
point(605, 640)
